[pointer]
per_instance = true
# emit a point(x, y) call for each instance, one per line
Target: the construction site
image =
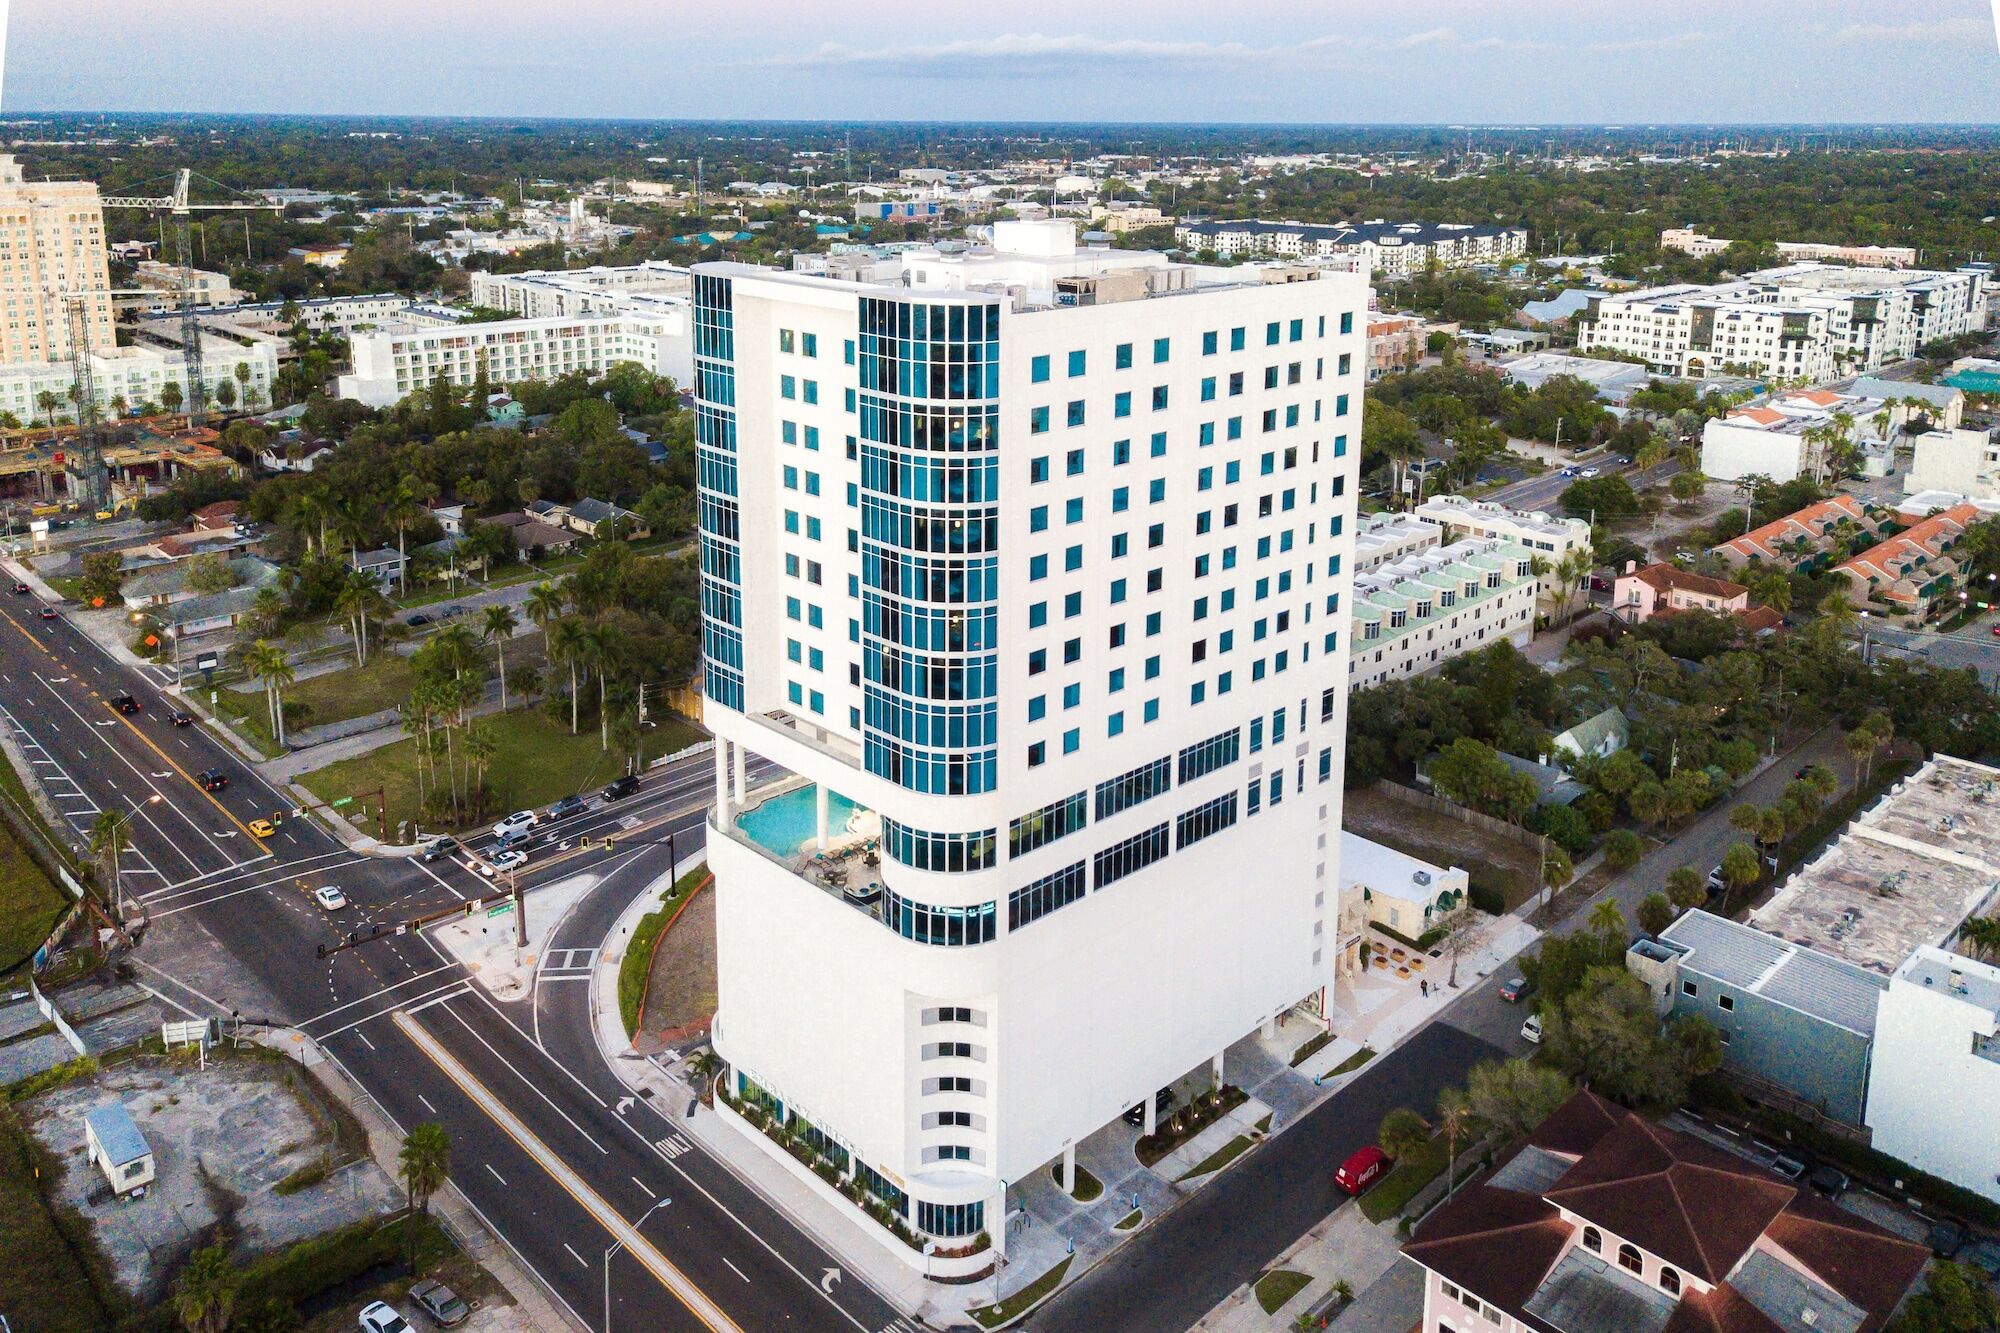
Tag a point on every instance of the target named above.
point(51, 471)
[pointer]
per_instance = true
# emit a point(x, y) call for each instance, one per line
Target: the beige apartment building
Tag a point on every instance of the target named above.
point(51, 249)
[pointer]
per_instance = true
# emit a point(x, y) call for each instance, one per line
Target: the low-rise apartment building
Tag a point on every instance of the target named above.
point(1912, 570)
point(1792, 434)
point(1391, 249)
point(1381, 539)
point(1605, 1221)
point(1414, 614)
point(1689, 241)
point(398, 359)
point(1809, 539)
point(1550, 538)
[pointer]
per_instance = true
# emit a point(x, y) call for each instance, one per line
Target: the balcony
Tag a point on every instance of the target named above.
point(785, 825)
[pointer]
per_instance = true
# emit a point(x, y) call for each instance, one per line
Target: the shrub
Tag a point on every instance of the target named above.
point(1622, 849)
point(1486, 898)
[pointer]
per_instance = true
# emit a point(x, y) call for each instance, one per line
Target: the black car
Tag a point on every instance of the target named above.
point(181, 718)
point(417, 620)
point(212, 779)
point(125, 703)
point(1163, 1102)
point(1830, 1181)
point(438, 847)
point(20, 589)
point(567, 806)
point(619, 788)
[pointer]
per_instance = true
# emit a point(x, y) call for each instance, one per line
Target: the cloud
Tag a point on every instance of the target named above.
point(1041, 55)
point(1931, 30)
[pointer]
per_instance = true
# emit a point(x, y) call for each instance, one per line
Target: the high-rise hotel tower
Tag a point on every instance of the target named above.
point(1030, 570)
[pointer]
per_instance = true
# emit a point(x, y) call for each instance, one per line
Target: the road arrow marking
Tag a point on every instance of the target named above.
point(827, 1279)
point(624, 1105)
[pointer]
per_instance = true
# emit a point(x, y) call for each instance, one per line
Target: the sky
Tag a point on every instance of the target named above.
point(1291, 61)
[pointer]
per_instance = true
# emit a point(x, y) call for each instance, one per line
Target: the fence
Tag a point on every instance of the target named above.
point(54, 1015)
point(1499, 828)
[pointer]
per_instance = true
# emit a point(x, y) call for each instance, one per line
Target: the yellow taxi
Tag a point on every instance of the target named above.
point(263, 828)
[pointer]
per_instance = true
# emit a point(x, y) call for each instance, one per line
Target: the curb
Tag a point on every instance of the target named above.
point(707, 879)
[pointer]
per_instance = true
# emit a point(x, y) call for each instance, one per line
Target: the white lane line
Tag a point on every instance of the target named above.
point(528, 1082)
point(375, 994)
point(427, 1103)
point(642, 1185)
point(574, 1255)
point(362, 1037)
point(442, 993)
point(734, 1269)
point(491, 1172)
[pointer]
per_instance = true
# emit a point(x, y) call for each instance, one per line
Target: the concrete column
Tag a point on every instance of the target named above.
point(1271, 1026)
point(1215, 1069)
point(1069, 1167)
point(996, 1220)
point(1152, 1114)
point(819, 812)
point(721, 781)
point(741, 786)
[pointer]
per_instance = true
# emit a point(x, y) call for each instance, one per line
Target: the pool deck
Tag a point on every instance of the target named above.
point(852, 860)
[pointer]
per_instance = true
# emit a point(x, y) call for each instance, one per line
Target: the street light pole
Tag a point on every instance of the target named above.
point(613, 1249)
point(118, 861)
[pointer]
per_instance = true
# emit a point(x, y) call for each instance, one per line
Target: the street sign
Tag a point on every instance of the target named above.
point(342, 801)
point(207, 662)
point(500, 909)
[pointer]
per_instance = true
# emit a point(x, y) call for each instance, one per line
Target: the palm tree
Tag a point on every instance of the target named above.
point(266, 662)
point(1454, 1119)
point(1402, 1132)
point(107, 839)
point(205, 1292)
point(544, 604)
point(47, 400)
point(171, 396)
point(423, 1165)
point(602, 646)
point(565, 640)
point(499, 627)
point(1572, 570)
point(401, 508)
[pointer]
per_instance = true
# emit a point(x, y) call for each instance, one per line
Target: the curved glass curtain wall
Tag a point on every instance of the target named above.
point(928, 441)
point(715, 465)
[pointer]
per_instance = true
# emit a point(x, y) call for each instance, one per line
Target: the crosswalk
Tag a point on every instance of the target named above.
point(69, 798)
point(568, 964)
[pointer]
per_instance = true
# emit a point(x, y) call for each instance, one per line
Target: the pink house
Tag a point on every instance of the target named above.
point(1641, 594)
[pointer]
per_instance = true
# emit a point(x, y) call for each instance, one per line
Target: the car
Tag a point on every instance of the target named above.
point(180, 717)
point(124, 703)
point(1947, 1238)
point(1514, 989)
point(20, 589)
point(1624, 460)
point(381, 1317)
point(512, 859)
point(329, 897)
point(453, 610)
point(1829, 1180)
point(1983, 1255)
point(211, 779)
point(1363, 1169)
point(567, 806)
point(1805, 772)
point(441, 846)
point(440, 1303)
point(1996, 631)
point(1567, 472)
point(418, 620)
point(262, 828)
point(516, 824)
point(49, 613)
point(1587, 473)
point(1163, 1104)
point(1532, 1029)
point(1600, 583)
point(619, 788)
point(1717, 883)
point(1790, 1165)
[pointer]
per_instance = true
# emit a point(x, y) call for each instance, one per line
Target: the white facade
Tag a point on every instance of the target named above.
point(394, 361)
point(1133, 660)
point(1963, 461)
point(1937, 1029)
point(1381, 539)
point(1549, 537)
point(1395, 889)
point(602, 290)
point(1393, 249)
point(138, 375)
point(1805, 322)
point(1690, 241)
point(1416, 614)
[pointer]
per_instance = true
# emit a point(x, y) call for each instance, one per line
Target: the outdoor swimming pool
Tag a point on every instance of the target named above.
point(785, 823)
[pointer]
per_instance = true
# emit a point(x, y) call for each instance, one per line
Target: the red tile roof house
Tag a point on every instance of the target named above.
point(1802, 541)
point(1913, 569)
point(1604, 1222)
point(1641, 594)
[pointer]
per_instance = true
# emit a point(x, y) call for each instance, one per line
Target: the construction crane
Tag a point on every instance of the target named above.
point(178, 206)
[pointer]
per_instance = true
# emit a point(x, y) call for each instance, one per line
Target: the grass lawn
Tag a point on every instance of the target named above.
point(55, 1279)
point(1410, 1175)
point(1130, 1220)
point(29, 902)
point(638, 960)
point(1354, 1061)
point(1278, 1286)
point(1022, 1301)
point(1221, 1157)
point(535, 760)
point(1088, 1187)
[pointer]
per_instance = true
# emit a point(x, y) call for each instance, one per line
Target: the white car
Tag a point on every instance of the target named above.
point(1532, 1029)
point(1587, 473)
point(514, 825)
point(503, 862)
point(381, 1317)
point(329, 897)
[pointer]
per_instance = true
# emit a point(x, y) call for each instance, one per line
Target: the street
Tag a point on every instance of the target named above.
point(545, 1143)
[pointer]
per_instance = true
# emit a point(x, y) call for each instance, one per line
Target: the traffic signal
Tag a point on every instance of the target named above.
point(607, 844)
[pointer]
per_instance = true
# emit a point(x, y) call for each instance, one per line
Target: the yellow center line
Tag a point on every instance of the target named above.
point(573, 1184)
point(255, 841)
point(24, 633)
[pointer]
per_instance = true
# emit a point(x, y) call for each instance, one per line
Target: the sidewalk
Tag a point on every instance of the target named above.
point(1344, 1247)
point(536, 1310)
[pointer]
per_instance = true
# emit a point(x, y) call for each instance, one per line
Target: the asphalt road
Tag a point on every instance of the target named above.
point(1545, 491)
point(1175, 1271)
point(541, 1146)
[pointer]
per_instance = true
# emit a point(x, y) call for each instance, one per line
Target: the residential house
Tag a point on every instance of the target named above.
point(1389, 888)
point(1811, 538)
point(165, 584)
point(1596, 737)
point(1604, 1222)
point(532, 537)
point(219, 517)
point(385, 566)
point(1640, 594)
point(594, 518)
point(1914, 569)
point(451, 518)
point(293, 451)
point(205, 615)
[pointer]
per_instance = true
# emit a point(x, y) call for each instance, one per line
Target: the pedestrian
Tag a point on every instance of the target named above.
point(1424, 987)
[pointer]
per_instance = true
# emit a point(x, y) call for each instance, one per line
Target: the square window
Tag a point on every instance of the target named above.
point(1073, 559)
point(1038, 519)
point(1038, 470)
point(1161, 346)
point(1122, 356)
point(1152, 710)
point(1115, 724)
point(1071, 740)
point(1208, 342)
point(1038, 370)
point(1073, 509)
point(1037, 755)
point(1038, 661)
point(1072, 696)
point(1236, 340)
point(1038, 614)
point(1072, 650)
point(1076, 364)
point(1072, 605)
point(1074, 413)
point(1038, 707)
point(1073, 463)
point(1121, 405)
point(1117, 591)
point(1038, 421)
point(1159, 397)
